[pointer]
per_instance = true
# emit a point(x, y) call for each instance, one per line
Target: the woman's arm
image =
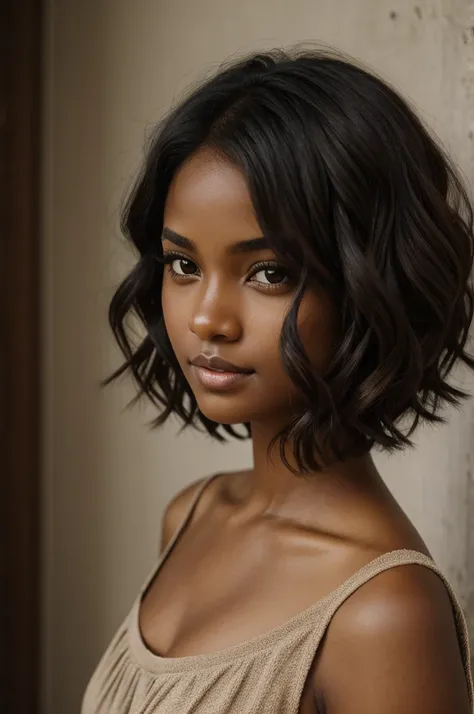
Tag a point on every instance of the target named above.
point(392, 648)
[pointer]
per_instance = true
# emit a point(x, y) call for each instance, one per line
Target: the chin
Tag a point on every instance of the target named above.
point(227, 409)
point(223, 413)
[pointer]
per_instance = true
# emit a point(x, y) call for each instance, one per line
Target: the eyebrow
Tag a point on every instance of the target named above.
point(241, 246)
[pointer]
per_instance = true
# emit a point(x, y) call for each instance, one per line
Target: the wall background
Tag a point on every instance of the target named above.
point(111, 69)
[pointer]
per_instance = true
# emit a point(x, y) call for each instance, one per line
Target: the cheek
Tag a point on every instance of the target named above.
point(316, 324)
point(165, 303)
point(172, 314)
point(263, 329)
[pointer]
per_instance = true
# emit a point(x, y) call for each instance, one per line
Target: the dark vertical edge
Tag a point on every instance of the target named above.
point(20, 151)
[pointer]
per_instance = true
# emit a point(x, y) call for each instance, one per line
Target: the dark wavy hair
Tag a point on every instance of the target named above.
point(356, 197)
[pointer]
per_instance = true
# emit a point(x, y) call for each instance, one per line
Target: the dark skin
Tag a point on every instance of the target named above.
point(264, 544)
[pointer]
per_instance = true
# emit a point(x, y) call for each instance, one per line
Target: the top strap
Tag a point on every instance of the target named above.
point(177, 533)
point(393, 559)
point(192, 507)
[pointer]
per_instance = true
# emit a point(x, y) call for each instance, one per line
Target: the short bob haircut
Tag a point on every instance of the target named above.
point(356, 198)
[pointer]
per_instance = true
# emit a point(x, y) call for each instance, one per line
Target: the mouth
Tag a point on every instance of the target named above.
point(218, 364)
point(220, 379)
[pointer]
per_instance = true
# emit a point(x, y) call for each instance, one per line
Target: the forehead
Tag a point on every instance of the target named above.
point(208, 192)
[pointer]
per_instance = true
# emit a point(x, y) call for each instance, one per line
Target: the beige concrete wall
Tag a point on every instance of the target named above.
point(111, 68)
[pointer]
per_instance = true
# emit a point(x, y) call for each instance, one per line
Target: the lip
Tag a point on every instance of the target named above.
point(219, 380)
point(219, 365)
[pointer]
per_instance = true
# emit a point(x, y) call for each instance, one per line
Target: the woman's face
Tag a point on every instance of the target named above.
point(220, 302)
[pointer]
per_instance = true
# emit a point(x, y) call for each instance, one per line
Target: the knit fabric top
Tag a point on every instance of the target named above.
point(263, 675)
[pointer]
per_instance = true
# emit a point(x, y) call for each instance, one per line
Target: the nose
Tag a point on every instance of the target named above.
point(215, 314)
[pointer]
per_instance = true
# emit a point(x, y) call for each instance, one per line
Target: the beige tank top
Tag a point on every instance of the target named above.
point(265, 674)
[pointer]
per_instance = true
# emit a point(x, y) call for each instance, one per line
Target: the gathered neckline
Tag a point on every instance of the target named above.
point(155, 663)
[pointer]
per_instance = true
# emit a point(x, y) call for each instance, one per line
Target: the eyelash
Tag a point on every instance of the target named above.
point(170, 256)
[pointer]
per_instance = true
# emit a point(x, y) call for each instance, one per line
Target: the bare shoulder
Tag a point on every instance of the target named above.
point(179, 505)
point(176, 510)
point(396, 634)
point(402, 594)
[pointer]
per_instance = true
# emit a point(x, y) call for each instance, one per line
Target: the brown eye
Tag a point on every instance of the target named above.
point(186, 267)
point(272, 274)
point(179, 265)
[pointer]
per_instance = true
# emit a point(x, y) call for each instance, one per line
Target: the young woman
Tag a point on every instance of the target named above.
point(304, 257)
